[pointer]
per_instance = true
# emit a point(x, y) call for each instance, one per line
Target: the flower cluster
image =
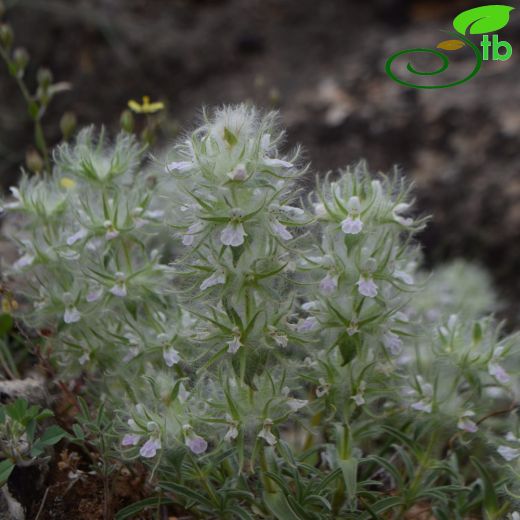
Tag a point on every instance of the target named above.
point(235, 319)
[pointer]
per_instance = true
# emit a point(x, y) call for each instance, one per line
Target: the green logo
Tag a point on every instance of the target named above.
point(481, 21)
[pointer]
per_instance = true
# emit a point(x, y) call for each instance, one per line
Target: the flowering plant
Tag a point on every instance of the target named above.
point(265, 350)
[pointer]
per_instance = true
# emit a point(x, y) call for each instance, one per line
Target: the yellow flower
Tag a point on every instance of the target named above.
point(67, 183)
point(9, 305)
point(146, 107)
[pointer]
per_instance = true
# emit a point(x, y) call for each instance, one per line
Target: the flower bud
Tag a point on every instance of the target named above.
point(6, 36)
point(44, 77)
point(127, 121)
point(68, 123)
point(34, 161)
point(20, 59)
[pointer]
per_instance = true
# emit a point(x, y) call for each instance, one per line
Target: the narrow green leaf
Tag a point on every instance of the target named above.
point(6, 468)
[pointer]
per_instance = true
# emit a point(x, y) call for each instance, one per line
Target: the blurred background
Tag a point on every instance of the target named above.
point(321, 63)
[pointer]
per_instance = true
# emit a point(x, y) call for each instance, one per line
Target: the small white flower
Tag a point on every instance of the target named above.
point(367, 287)
point(150, 447)
point(277, 162)
point(392, 343)
point(232, 432)
point(359, 398)
point(280, 230)
point(296, 404)
point(280, 338)
point(131, 354)
point(171, 357)
point(266, 433)
point(180, 166)
point(71, 315)
point(496, 371)
point(218, 277)
point(119, 288)
point(194, 229)
point(510, 436)
point(467, 424)
point(396, 214)
point(508, 453)
point(329, 284)
point(323, 389)
point(319, 209)
point(233, 234)
point(183, 393)
point(85, 358)
point(76, 237)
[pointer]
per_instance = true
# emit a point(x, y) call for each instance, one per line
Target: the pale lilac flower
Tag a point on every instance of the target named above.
point(24, 261)
point(71, 315)
point(235, 343)
point(422, 406)
point(233, 234)
point(131, 439)
point(467, 424)
point(311, 306)
point(296, 404)
point(367, 287)
point(239, 173)
point(180, 166)
point(266, 433)
point(79, 235)
point(510, 436)
point(515, 515)
point(351, 226)
point(183, 393)
point(218, 277)
point(392, 343)
point(508, 453)
point(112, 232)
point(329, 284)
point(307, 324)
point(197, 444)
point(404, 277)
point(280, 230)
point(171, 357)
point(94, 293)
point(119, 288)
point(150, 447)
point(189, 237)
point(496, 371)
point(194, 442)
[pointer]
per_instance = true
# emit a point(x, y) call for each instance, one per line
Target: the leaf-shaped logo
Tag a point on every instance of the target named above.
point(450, 45)
point(482, 20)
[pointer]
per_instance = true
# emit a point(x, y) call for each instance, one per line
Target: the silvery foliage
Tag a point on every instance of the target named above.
point(219, 305)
